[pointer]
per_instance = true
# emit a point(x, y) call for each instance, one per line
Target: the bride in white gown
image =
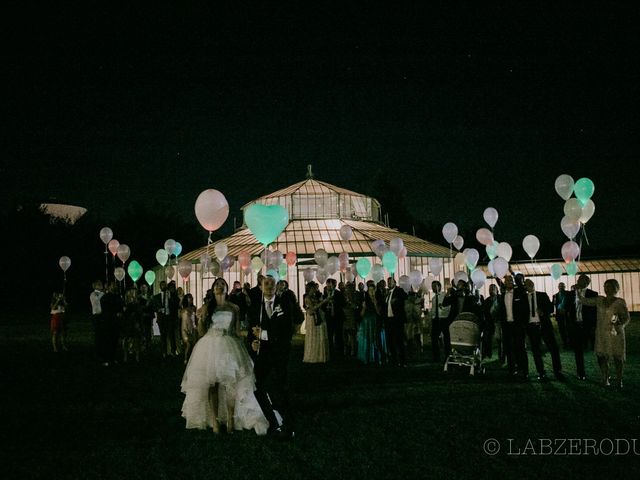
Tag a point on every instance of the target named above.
point(218, 382)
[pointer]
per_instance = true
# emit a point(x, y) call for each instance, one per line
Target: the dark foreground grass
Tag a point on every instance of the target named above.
point(63, 416)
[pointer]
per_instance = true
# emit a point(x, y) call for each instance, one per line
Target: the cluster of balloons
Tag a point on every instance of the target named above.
point(123, 252)
point(578, 211)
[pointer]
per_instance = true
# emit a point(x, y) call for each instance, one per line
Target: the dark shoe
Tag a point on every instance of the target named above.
point(542, 377)
point(581, 377)
point(282, 433)
point(560, 376)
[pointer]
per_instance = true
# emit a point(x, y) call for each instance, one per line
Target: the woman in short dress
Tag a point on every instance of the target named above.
point(613, 316)
point(218, 382)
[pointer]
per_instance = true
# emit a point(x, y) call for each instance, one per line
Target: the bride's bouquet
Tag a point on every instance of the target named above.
point(614, 321)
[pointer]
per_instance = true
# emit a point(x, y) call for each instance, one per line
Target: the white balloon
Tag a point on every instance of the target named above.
point(587, 211)
point(458, 242)
point(221, 249)
point(215, 268)
point(570, 251)
point(403, 253)
point(205, 262)
point(478, 277)
point(123, 252)
point(472, 257)
point(490, 267)
point(65, 263)
point(170, 246)
point(484, 236)
point(573, 209)
point(346, 233)
point(415, 279)
point(500, 267)
point(569, 227)
point(321, 257)
point(211, 209)
point(106, 235)
point(309, 274)
point(321, 275)
point(564, 186)
point(396, 244)
point(460, 276)
point(531, 245)
point(349, 276)
point(170, 272)
point(450, 232)
point(377, 272)
point(404, 282)
point(435, 266)
point(504, 250)
point(490, 216)
point(184, 268)
point(119, 273)
point(460, 259)
point(333, 265)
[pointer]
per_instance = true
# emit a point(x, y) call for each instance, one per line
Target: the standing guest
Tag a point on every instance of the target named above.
point(96, 310)
point(146, 303)
point(539, 328)
point(316, 339)
point(109, 331)
point(334, 316)
point(175, 300)
point(165, 303)
point(362, 291)
point(255, 294)
point(201, 314)
point(370, 315)
point(612, 318)
point(413, 313)
point(270, 341)
point(513, 304)
point(58, 332)
point(439, 314)
point(131, 326)
point(240, 297)
point(382, 345)
point(461, 300)
point(580, 316)
point(351, 315)
point(395, 318)
point(188, 330)
point(287, 295)
point(491, 311)
point(218, 381)
point(560, 306)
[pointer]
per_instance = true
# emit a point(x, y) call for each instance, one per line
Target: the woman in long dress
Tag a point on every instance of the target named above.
point(188, 325)
point(610, 343)
point(367, 330)
point(218, 382)
point(316, 339)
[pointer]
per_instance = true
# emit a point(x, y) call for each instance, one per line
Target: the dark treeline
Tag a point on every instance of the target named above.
point(35, 242)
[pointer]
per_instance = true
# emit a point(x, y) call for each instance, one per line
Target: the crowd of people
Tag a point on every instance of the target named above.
point(236, 346)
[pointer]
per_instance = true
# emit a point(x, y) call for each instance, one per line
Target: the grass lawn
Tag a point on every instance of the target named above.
point(64, 416)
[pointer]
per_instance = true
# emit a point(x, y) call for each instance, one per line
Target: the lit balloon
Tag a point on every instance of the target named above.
point(415, 278)
point(435, 266)
point(333, 265)
point(570, 251)
point(321, 257)
point(459, 260)
point(584, 189)
point(256, 264)
point(211, 209)
point(504, 250)
point(274, 274)
point(170, 246)
point(150, 277)
point(346, 233)
point(390, 262)
point(113, 246)
point(377, 272)
point(404, 283)
point(569, 227)
point(450, 232)
point(531, 245)
point(573, 209)
point(587, 211)
point(460, 276)
point(349, 276)
point(123, 252)
point(556, 271)
point(378, 247)
point(458, 242)
point(266, 222)
point(135, 270)
point(244, 259)
point(282, 270)
point(321, 275)
point(403, 253)
point(344, 260)
point(291, 258)
point(363, 267)
point(274, 259)
point(572, 268)
point(472, 256)
point(205, 262)
point(106, 234)
point(65, 263)
point(119, 273)
point(395, 245)
point(162, 256)
point(170, 272)
point(484, 236)
point(226, 263)
point(215, 268)
point(490, 267)
point(492, 250)
point(490, 216)
point(308, 275)
point(221, 250)
point(500, 267)
point(478, 277)
point(184, 268)
point(178, 250)
point(564, 186)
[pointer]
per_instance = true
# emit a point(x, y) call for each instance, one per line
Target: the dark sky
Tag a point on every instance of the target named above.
point(467, 108)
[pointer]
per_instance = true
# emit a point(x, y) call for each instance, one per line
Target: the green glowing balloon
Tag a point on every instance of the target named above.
point(583, 189)
point(135, 270)
point(572, 268)
point(282, 270)
point(150, 277)
point(556, 271)
point(390, 261)
point(492, 250)
point(266, 222)
point(363, 266)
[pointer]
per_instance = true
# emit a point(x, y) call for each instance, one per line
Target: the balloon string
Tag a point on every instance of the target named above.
point(584, 234)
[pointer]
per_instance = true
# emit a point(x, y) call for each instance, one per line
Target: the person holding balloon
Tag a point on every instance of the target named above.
point(58, 330)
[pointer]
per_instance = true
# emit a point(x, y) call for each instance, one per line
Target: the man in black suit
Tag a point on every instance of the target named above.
point(513, 313)
point(166, 307)
point(394, 316)
point(581, 319)
point(539, 328)
point(334, 316)
point(255, 294)
point(269, 338)
point(460, 300)
point(560, 305)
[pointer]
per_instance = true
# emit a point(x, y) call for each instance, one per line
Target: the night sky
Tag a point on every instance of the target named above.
point(465, 109)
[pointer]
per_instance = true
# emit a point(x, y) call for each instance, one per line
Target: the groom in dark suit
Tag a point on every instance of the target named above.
point(581, 321)
point(269, 337)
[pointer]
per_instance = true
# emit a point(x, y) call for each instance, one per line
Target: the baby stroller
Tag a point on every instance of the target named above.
point(466, 343)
